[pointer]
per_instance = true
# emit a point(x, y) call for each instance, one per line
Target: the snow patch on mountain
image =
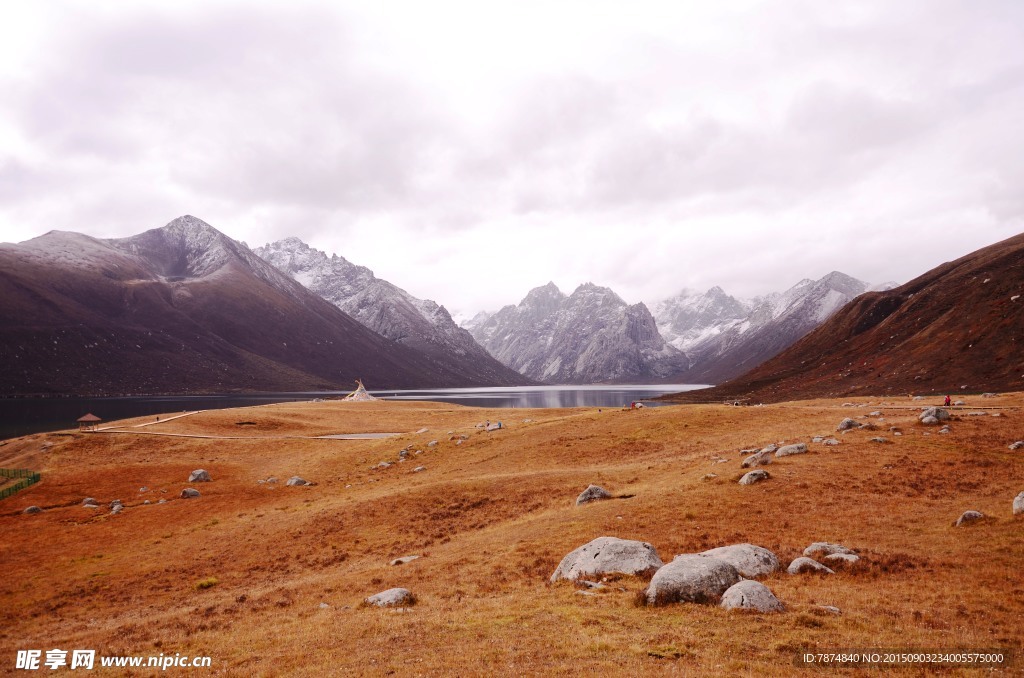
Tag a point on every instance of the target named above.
point(723, 336)
point(590, 336)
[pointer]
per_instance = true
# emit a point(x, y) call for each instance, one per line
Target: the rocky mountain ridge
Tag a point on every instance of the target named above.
point(590, 336)
point(420, 324)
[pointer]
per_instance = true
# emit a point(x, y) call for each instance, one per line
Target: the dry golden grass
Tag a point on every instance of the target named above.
point(239, 574)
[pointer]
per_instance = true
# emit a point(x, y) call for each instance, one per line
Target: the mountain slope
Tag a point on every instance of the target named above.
point(181, 308)
point(724, 337)
point(591, 336)
point(958, 327)
point(390, 311)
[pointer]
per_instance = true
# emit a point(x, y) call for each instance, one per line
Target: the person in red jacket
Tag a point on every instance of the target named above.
point(947, 402)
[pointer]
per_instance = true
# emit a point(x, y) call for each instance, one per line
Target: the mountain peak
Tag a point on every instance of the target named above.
point(544, 293)
point(189, 224)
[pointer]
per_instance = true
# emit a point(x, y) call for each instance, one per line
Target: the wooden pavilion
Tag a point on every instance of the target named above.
point(88, 422)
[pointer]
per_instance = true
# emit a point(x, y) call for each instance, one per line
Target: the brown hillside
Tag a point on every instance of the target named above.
point(181, 309)
point(240, 574)
point(957, 328)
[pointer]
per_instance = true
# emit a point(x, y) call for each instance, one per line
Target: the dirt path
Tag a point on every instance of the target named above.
point(339, 436)
point(148, 423)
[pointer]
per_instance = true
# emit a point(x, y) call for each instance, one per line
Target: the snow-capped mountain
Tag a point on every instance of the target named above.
point(590, 336)
point(724, 337)
point(690, 317)
point(420, 324)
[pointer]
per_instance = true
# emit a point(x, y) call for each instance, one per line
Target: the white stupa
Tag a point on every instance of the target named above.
point(360, 393)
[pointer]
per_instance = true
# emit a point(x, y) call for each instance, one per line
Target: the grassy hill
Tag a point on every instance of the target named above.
point(240, 573)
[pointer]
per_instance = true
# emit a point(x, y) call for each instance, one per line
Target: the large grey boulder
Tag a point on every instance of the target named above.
point(936, 413)
point(592, 493)
point(804, 565)
point(761, 458)
point(691, 578)
point(749, 560)
point(189, 493)
point(968, 517)
point(751, 595)
point(199, 476)
point(822, 548)
point(606, 555)
point(798, 448)
point(296, 481)
point(392, 598)
point(1018, 504)
point(754, 477)
point(846, 558)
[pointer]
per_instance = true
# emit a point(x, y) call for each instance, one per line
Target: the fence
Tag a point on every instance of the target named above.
point(28, 478)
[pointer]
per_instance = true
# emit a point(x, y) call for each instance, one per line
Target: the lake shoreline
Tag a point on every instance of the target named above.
point(29, 415)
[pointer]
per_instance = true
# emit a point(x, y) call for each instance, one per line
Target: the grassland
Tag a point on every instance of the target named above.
point(240, 573)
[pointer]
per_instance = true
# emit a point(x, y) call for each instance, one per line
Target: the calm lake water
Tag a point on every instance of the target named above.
point(22, 416)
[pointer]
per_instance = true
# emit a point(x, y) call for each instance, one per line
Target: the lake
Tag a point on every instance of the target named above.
point(22, 416)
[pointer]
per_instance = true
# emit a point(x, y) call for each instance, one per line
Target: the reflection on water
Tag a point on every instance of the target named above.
point(542, 396)
point(22, 416)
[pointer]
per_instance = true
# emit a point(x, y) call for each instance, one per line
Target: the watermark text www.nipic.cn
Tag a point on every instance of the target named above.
point(36, 660)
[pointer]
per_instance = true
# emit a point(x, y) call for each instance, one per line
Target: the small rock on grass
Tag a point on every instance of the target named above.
point(805, 565)
point(798, 448)
point(933, 415)
point(1018, 504)
point(32, 509)
point(592, 493)
point(845, 558)
point(199, 476)
point(823, 548)
point(392, 598)
point(751, 595)
point(847, 424)
point(189, 493)
point(969, 517)
point(761, 458)
point(403, 560)
point(828, 609)
point(754, 477)
point(1017, 445)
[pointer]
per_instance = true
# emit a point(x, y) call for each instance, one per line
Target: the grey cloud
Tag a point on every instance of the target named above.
point(266, 121)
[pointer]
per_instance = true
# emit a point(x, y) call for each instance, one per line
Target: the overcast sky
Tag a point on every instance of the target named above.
point(469, 151)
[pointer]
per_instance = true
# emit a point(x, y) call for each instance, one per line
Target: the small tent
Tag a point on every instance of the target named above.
point(360, 393)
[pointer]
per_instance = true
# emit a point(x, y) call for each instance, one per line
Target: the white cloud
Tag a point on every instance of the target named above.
point(470, 151)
